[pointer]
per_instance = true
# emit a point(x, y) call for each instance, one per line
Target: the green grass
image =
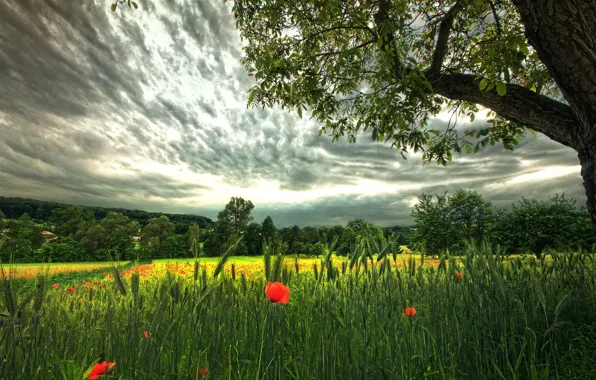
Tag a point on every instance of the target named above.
point(516, 320)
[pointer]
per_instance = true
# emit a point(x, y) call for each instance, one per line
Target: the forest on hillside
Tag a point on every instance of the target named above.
point(14, 208)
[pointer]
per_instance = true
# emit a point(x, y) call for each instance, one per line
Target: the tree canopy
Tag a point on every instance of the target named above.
point(232, 222)
point(387, 66)
point(157, 231)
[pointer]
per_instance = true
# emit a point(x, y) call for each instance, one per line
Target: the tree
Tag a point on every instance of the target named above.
point(68, 221)
point(434, 231)
point(310, 235)
point(347, 241)
point(268, 230)
point(118, 230)
point(584, 233)
point(315, 250)
point(470, 213)
point(363, 228)
point(173, 246)
point(61, 252)
point(21, 239)
point(215, 242)
point(358, 225)
point(232, 222)
point(254, 237)
point(236, 216)
point(295, 239)
point(388, 66)
point(158, 230)
point(40, 213)
point(403, 234)
point(532, 226)
point(113, 233)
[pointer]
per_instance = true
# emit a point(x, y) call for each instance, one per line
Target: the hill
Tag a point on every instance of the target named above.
point(42, 210)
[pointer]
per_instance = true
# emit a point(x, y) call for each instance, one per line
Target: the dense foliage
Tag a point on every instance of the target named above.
point(441, 223)
point(43, 211)
point(77, 234)
point(447, 223)
point(387, 67)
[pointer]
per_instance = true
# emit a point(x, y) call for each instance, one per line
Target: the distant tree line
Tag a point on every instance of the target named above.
point(442, 223)
point(86, 234)
point(14, 208)
point(90, 233)
point(236, 221)
point(446, 223)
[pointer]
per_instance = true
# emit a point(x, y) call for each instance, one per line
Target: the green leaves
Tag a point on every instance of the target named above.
point(356, 72)
point(501, 89)
point(486, 85)
point(251, 97)
point(131, 4)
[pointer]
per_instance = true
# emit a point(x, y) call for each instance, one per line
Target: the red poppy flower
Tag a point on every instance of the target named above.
point(203, 372)
point(72, 290)
point(56, 286)
point(101, 369)
point(277, 292)
point(458, 274)
point(410, 312)
point(146, 334)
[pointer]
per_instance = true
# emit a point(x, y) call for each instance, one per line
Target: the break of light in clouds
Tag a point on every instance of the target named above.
point(147, 109)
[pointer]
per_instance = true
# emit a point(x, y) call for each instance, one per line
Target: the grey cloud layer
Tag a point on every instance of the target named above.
point(83, 88)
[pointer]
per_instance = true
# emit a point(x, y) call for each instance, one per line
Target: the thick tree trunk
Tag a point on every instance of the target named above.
point(588, 162)
point(563, 32)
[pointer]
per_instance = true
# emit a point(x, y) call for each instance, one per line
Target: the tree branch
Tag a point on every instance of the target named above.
point(496, 16)
point(499, 33)
point(339, 27)
point(545, 115)
point(386, 35)
point(444, 30)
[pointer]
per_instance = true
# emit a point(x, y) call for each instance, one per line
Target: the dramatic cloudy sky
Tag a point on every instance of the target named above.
point(147, 109)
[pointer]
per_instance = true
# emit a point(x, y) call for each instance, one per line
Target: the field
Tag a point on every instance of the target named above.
point(31, 270)
point(474, 317)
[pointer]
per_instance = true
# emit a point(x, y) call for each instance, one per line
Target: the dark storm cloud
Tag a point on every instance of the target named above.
point(57, 58)
point(87, 95)
point(385, 210)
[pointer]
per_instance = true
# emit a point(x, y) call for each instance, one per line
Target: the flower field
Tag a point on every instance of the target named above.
point(31, 270)
point(251, 267)
point(476, 317)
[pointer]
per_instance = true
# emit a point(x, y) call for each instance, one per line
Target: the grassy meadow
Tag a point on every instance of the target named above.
point(476, 317)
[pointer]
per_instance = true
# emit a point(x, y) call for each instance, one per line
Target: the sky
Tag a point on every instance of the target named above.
point(147, 110)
